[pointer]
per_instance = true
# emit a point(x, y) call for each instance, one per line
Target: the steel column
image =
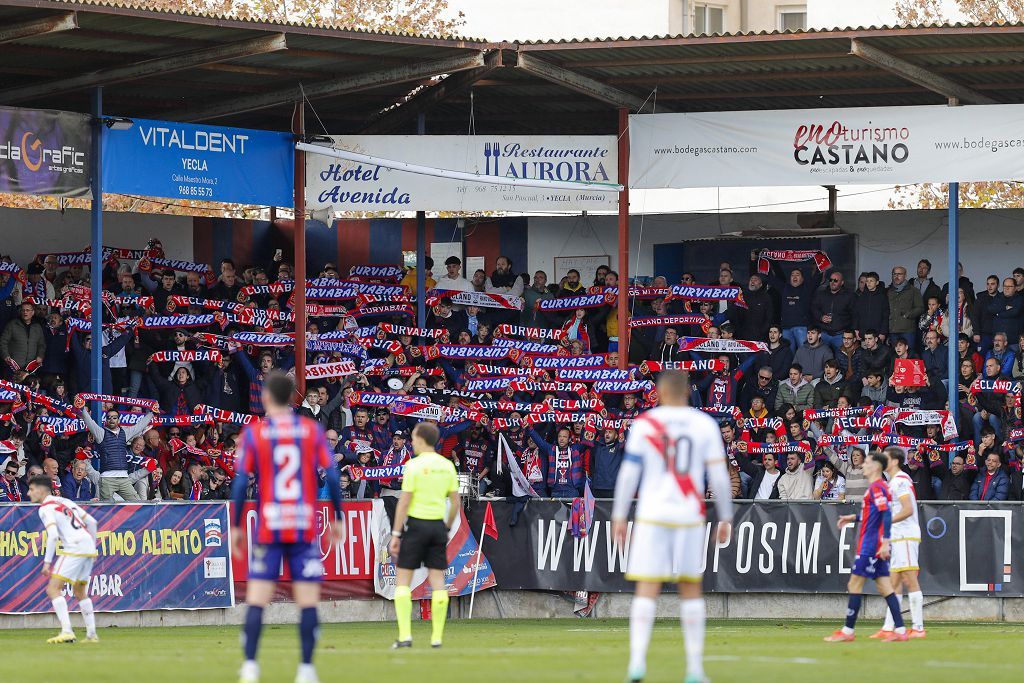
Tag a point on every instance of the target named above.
point(623, 302)
point(96, 242)
point(952, 305)
point(299, 129)
point(421, 247)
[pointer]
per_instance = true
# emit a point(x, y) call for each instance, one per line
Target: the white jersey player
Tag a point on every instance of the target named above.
point(669, 451)
point(75, 528)
point(904, 565)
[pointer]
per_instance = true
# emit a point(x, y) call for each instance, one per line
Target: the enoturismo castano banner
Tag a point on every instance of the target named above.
point(44, 152)
point(348, 185)
point(213, 163)
point(899, 145)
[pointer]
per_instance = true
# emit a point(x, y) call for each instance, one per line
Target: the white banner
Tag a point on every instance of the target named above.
point(876, 145)
point(351, 186)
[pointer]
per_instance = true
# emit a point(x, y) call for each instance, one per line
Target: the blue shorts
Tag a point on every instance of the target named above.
point(870, 567)
point(303, 560)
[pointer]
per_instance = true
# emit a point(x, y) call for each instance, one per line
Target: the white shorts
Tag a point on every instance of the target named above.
point(904, 555)
point(665, 553)
point(73, 569)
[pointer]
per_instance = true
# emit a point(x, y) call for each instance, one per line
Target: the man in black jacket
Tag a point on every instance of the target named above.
point(764, 480)
point(832, 310)
point(226, 390)
point(760, 310)
point(983, 332)
point(957, 484)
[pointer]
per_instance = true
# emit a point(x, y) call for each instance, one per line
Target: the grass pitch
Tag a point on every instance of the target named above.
point(562, 650)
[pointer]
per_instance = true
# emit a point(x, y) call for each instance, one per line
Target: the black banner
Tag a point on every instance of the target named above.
point(777, 547)
point(45, 152)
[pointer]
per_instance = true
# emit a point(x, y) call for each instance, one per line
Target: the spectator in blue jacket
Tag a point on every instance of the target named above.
point(76, 485)
point(1002, 353)
point(993, 483)
point(936, 357)
point(605, 459)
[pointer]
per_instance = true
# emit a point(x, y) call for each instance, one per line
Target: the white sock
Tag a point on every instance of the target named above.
point(693, 615)
point(250, 669)
point(306, 672)
point(889, 624)
point(60, 606)
point(916, 610)
point(88, 616)
point(641, 623)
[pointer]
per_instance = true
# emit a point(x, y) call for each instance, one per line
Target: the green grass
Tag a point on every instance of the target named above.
point(559, 650)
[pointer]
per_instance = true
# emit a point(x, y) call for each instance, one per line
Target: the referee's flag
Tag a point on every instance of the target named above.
point(490, 528)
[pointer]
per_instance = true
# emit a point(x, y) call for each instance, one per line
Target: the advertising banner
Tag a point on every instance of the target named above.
point(898, 145)
point(462, 554)
point(353, 559)
point(45, 152)
point(351, 186)
point(186, 161)
point(777, 547)
point(169, 556)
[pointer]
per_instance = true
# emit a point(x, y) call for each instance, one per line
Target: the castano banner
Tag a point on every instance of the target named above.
point(462, 559)
point(899, 145)
point(353, 559)
point(187, 161)
point(45, 152)
point(966, 549)
point(351, 186)
point(168, 556)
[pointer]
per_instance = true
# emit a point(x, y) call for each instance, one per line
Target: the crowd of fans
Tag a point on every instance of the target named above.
point(801, 397)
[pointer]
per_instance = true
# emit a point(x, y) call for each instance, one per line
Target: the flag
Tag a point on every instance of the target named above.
point(581, 515)
point(490, 528)
point(520, 484)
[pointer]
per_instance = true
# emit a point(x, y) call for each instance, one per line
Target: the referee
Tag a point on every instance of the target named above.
point(420, 534)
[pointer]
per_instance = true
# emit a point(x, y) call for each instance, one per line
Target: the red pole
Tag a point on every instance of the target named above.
point(299, 129)
point(623, 312)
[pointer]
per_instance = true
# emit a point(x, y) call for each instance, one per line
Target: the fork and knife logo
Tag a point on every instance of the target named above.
point(492, 150)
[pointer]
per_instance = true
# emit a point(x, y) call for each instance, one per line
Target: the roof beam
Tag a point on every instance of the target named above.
point(582, 84)
point(150, 67)
point(430, 96)
point(916, 74)
point(38, 27)
point(331, 88)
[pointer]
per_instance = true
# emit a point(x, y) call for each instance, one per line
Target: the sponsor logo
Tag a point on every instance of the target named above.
point(213, 533)
point(216, 593)
point(215, 568)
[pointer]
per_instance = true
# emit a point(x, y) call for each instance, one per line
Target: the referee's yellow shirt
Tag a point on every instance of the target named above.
point(430, 478)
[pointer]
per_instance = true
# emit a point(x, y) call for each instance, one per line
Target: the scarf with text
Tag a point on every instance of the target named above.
point(526, 347)
point(766, 256)
point(705, 345)
point(572, 303)
point(403, 331)
point(481, 299)
point(672, 321)
point(532, 333)
point(34, 398)
point(393, 273)
point(634, 292)
point(708, 365)
point(82, 398)
point(221, 415)
point(708, 293)
point(324, 370)
point(188, 356)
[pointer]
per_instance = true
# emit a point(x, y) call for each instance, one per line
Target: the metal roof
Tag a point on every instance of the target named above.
point(170, 65)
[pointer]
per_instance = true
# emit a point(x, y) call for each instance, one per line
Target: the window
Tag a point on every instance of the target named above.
point(793, 18)
point(708, 19)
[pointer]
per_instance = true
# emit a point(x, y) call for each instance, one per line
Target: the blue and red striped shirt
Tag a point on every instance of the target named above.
point(284, 453)
point(876, 507)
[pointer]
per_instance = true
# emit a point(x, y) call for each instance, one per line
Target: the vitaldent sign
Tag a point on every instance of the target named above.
point(351, 186)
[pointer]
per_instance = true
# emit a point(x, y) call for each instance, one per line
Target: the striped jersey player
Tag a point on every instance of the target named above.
point(76, 530)
point(284, 453)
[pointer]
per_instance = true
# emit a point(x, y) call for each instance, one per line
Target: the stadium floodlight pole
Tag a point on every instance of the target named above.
point(953, 304)
point(96, 258)
point(455, 175)
point(421, 247)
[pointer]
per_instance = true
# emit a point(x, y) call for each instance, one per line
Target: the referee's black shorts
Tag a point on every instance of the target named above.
point(424, 542)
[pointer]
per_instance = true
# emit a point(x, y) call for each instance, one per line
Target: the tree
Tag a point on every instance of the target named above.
point(984, 195)
point(397, 16)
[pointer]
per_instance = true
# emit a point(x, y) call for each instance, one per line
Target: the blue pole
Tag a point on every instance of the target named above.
point(952, 304)
point(421, 248)
point(96, 265)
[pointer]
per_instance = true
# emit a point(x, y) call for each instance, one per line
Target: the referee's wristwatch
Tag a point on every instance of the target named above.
point(396, 534)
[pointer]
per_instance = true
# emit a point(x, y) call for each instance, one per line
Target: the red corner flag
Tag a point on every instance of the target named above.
point(490, 528)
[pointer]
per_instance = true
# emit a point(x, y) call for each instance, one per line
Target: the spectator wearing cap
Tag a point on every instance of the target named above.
point(411, 276)
point(905, 308)
point(832, 310)
point(452, 279)
point(22, 341)
point(811, 356)
point(35, 286)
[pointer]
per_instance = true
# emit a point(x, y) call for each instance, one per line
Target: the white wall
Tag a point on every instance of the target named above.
point(562, 19)
point(841, 14)
point(989, 240)
point(25, 232)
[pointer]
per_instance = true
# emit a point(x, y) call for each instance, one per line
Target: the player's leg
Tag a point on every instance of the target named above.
point(641, 623)
point(307, 597)
point(55, 591)
point(403, 606)
point(855, 587)
point(85, 605)
point(687, 561)
point(438, 606)
point(916, 599)
point(649, 563)
point(897, 588)
point(258, 594)
point(884, 585)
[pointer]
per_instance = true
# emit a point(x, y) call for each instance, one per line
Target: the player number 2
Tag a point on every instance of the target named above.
point(286, 484)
